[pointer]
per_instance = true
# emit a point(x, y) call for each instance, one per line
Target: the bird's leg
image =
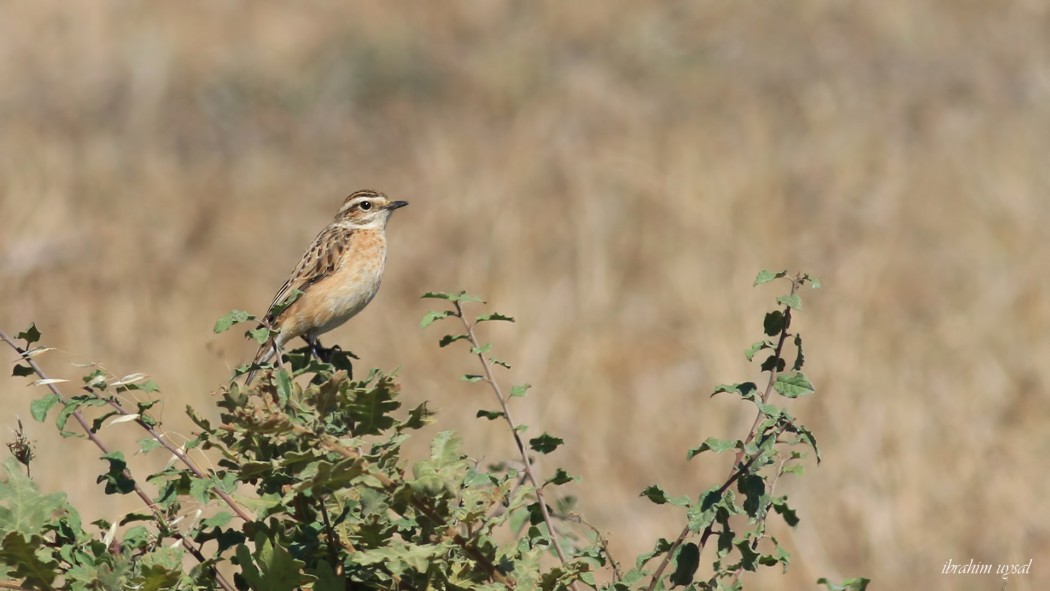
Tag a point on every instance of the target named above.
point(316, 349)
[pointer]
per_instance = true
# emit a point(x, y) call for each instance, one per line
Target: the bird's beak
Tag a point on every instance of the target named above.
point(397, 204)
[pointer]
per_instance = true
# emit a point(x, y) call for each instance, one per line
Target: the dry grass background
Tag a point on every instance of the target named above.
point(613, 174)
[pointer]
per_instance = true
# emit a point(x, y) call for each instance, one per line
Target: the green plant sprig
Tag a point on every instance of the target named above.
point(158, 514)
point(479, 351)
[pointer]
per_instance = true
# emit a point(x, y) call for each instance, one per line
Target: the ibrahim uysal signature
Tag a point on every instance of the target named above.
point(979, 568)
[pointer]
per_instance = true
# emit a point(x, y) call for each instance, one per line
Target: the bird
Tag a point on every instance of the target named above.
point(336, 277)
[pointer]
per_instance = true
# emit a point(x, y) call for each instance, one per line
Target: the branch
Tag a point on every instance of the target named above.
point(158, 515)
point(778, 354)
point(494, 385)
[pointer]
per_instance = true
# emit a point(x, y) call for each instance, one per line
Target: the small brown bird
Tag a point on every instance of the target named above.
point(338, 275)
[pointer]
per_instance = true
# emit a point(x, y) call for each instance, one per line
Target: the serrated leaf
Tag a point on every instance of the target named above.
point(686, 563)
point(545, 443)
point(232, 317)
point(784, 510)
point(765, 276)
point(519, 390)
point(756, 347)
point(25, 558)
point(260, 335)
point(800, 358)
point(494, 316)
point(489, 414)
point(148, 444)
point(39, 407)
point(437, 295)
point(715, 445)
point(657, 495)
point(24, 509)
point(116, 478)
point(433, 316)
point(560, 477)
point(449, 339)
point(773, 323)
point(29, 335)
point(792, 301)
point(271, 567)
point(746, 390)
point(793, 385)
point(21, 371)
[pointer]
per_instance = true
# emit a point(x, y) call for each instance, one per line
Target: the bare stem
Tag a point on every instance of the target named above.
point(158, 515)
point(529, 471)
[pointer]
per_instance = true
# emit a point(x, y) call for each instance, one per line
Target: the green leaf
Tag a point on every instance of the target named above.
point(282, 305)
point(793, 385)
point(41, 406)
point(560, 477)
point(715, 445)
point(772, 363)
point(792, 301)
point(784, 510)
point(765, 276)
point(746, 390)
point(519, 390)
point(494, 316)
point(116, 478)
point(232, 317)
point(856, 584)
point(271, 567)
point(482, 349)
point(545, 443)
point(433, 316)
point(148, 444)
point(21, 371)
point(218, 520)
point(472, 378)
point(753, 487)
point(25, 557)
point(260, 335)
point(458, 297)
point(800, 359)
point(657, 495)
point(449, 339)
point(23, 508)
point(774, 323)
point(686, 563)
point(30, 335)
point(756, 347)
point(489, 414)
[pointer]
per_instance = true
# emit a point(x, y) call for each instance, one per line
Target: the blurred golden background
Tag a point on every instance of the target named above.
point(613, 175)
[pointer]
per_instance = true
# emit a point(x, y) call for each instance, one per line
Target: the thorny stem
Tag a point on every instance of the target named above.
point(494, 385)
point(158, 515)
point(773, 372)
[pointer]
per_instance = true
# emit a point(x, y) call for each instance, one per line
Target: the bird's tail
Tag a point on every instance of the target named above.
point(265, 352)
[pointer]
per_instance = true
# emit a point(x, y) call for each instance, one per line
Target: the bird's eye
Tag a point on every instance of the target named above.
point(366, 205)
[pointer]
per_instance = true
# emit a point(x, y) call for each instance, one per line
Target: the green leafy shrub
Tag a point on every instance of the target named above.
point(310, 490)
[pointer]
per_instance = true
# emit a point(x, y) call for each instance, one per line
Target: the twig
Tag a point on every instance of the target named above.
point(158, 515)
point(494, 385)
point(773, 372)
